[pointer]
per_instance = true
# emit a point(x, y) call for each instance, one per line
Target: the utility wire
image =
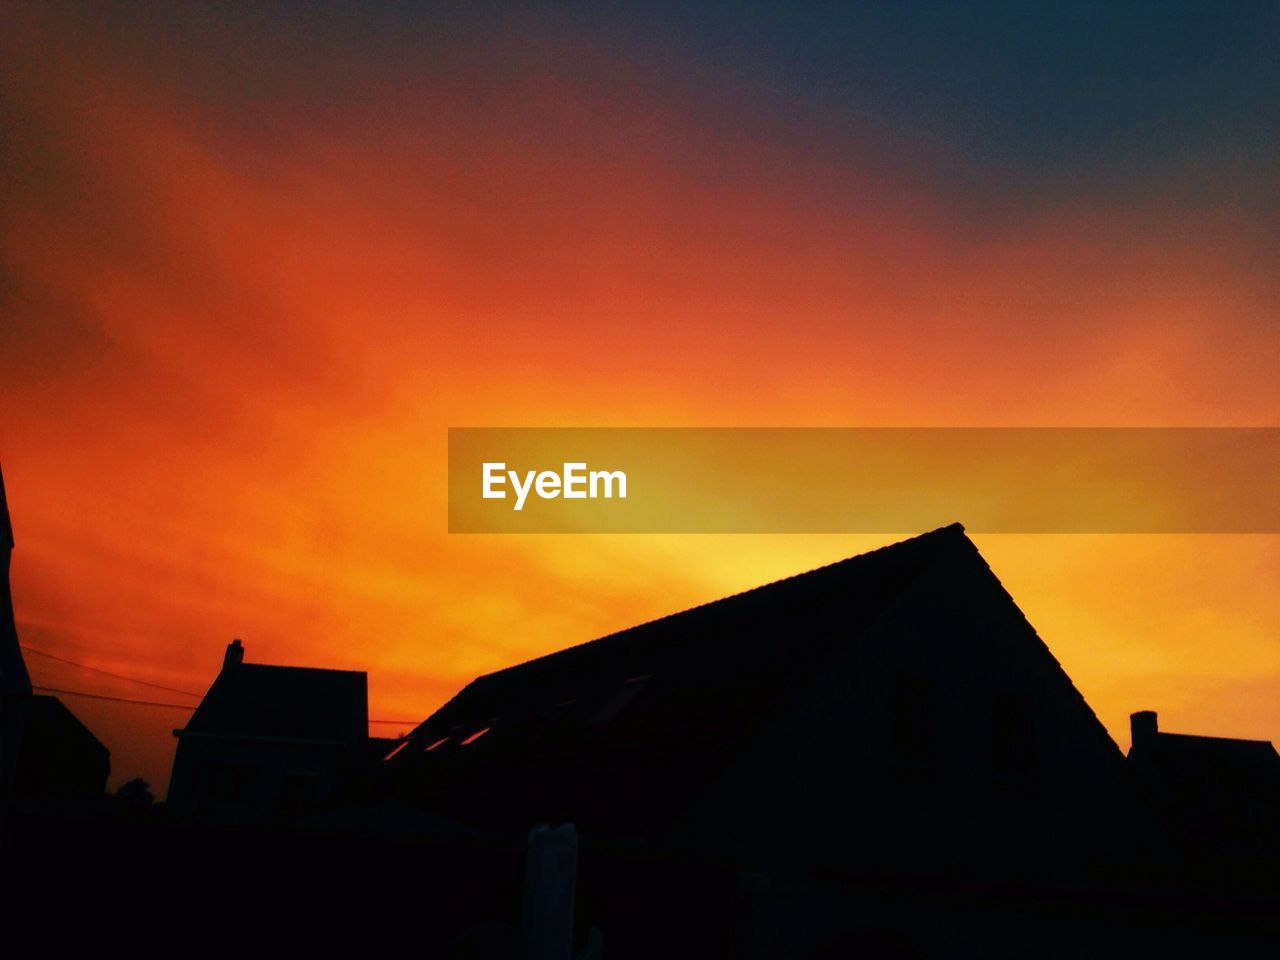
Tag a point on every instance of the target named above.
point(173, 706)
point(108, 673)
point(103, 696)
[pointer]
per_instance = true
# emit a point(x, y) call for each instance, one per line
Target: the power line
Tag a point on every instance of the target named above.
point(103, 696)
point(108, 673)
point(145, 683)
point(172, 706)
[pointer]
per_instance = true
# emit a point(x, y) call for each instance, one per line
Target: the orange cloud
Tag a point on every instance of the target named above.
point(233, 343)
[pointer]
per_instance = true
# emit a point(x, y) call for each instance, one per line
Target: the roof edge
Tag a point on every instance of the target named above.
point(950, 530)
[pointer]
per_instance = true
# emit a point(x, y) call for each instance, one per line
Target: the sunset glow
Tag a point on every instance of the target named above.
point(252, 281)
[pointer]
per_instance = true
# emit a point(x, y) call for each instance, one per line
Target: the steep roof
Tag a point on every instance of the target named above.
point(49, 717)
point(293, 703)
point(59, 754)
point(690, 641)
point(640, 718)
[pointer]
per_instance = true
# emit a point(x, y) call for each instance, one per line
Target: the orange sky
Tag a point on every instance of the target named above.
point(235, 331)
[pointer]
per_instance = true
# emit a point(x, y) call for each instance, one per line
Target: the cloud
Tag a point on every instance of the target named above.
point(254, 269)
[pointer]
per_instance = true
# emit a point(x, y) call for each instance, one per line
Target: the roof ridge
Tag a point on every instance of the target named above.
point(950, 529)
point(287, 666)
point(1248, 741)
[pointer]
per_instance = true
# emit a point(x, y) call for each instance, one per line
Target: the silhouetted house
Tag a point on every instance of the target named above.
point(15, 683)
point(270, 742)
point(60, 756)
point(46, 753)
point(893, 713)
point(1216, 798)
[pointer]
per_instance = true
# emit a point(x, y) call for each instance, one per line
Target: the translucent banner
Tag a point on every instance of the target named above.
point(864, 480)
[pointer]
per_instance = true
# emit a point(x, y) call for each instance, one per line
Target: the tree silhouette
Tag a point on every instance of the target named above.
point(136, 794)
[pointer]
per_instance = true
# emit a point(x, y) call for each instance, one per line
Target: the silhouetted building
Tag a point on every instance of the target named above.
point(60, 756)
point(1216, 800)
point(46, 753)
point(879, 758)
point(270, 742)
point(15, 683)
point(893, 713)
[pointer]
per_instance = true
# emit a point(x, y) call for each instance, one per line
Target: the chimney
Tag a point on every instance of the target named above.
point(234, 656)
point(1142, 730)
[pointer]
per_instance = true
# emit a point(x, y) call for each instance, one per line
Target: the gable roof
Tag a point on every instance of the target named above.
point(257, 700)
point(694, 646)
point(49, 719)
point(59, 754)
point(636, 721)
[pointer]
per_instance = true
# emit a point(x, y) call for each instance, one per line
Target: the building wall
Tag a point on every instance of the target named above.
point(246, 781)
point(943, 741)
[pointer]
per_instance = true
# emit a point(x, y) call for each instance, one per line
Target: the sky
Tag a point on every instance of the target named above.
point(257, 260)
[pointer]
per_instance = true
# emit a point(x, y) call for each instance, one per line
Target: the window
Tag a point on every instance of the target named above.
point(438, 743)
point(398, 747)
point(475, 736)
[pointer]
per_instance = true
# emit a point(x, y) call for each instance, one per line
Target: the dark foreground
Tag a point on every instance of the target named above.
point(116, 883)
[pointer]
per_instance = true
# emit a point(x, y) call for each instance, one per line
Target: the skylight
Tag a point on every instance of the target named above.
point(432, 746)
point(475, 736)
point(400, 746)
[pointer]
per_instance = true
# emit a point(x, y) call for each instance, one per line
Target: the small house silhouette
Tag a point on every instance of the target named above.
point(270, 742)
point(47, 755)
point(1215, 801)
